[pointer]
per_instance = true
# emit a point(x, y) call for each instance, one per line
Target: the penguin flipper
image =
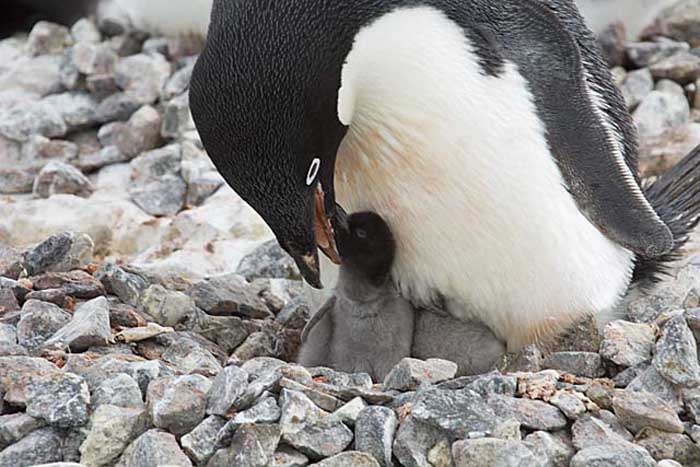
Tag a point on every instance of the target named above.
point(317, 318)
point(584, 139)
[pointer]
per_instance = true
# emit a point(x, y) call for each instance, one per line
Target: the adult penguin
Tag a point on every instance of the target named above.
point(489, 135)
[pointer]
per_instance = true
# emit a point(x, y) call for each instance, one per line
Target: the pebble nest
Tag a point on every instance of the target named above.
point(148, 319)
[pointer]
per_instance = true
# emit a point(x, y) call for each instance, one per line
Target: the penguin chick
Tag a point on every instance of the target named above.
point(366, 326)
point(471, 345)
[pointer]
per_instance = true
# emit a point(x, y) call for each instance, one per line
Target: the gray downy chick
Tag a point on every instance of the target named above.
point(470, 344)
point(366, 326)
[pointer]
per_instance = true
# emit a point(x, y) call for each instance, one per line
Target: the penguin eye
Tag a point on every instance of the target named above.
point(313, 171)
point(361, 233)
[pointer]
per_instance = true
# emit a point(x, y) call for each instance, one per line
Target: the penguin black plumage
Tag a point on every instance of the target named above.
point(489, 135)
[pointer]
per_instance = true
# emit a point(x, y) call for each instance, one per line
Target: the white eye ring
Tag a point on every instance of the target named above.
point(313, 171)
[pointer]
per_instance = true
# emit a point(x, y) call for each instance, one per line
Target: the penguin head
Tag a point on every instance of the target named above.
point(264, 97)
point(367, 246)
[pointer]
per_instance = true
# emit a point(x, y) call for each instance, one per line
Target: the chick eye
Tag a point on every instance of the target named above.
point(361, 233)
point(313, 171)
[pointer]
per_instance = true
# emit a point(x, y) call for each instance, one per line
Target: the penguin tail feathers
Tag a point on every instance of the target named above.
point(675, 196)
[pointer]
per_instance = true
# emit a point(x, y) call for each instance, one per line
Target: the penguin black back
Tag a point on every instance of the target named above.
point(367, 247)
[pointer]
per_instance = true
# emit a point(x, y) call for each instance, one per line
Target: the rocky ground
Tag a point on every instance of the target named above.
point(147, 320)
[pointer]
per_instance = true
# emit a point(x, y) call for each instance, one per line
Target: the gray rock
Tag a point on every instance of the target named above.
point(178, 404)
point(258, 344)
point(614, 455)
point(16, 426)
point(177, 118)
point(88, 328)
point(682, 67)
point(587, 364)
point(17, 372)
point(532, 414)
point(374, 433)
point(59, 398)
point(143, 74)
point(458, 413)
point(39, 447)
point(627, 344)
point(16, 181)
point(78, 110)
point(676, 353)
point(643, 54)
point(288, 457)
point(188, 356)
point(39, 322)
point(112, 429)
point(228, 332)
point(551, 450)
point(670, 87)
point(494, 383)
point(268, 261)
point(636, 86)
point(659, 112)
point(36, 118)
point(317, 393)
point(85, 30)
point(93, 59)
point(60, 253)
point(348, 459)
point(57, 178)
point(252, 446)
point(178, 83)
point(97, 369)
point(349, 412)
point(121, 391)
point(125, 285)
point(295, 314)
point(228, 295)
point(662, 445)
point(323, 439)
point(47, 38)
point(200, 443)
point(141, 133)
point(589, 431)
point(166, 307)
point(120, 106)
point(163, 197)
point(8, 333)
point(41, 148)
point(411, 373)
point(265, 411)
point(297, 410)
point(102, 158)
point(40, 75)
point(154, 447)
point(611, 42)
point(200, 189)
point(492, 452)
point(569, 403)
point(693, 319)
point(414, 440)
point(650, 380)
point(637, 410)
point(78, 284)
point(228, 387)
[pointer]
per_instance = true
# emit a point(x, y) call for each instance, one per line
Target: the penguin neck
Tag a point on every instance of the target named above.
point(357, 287)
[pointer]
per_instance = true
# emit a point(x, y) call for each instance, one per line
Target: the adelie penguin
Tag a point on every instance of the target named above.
point(489, 135)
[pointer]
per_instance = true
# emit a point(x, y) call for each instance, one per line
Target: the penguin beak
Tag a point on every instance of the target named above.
point(323, 226)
